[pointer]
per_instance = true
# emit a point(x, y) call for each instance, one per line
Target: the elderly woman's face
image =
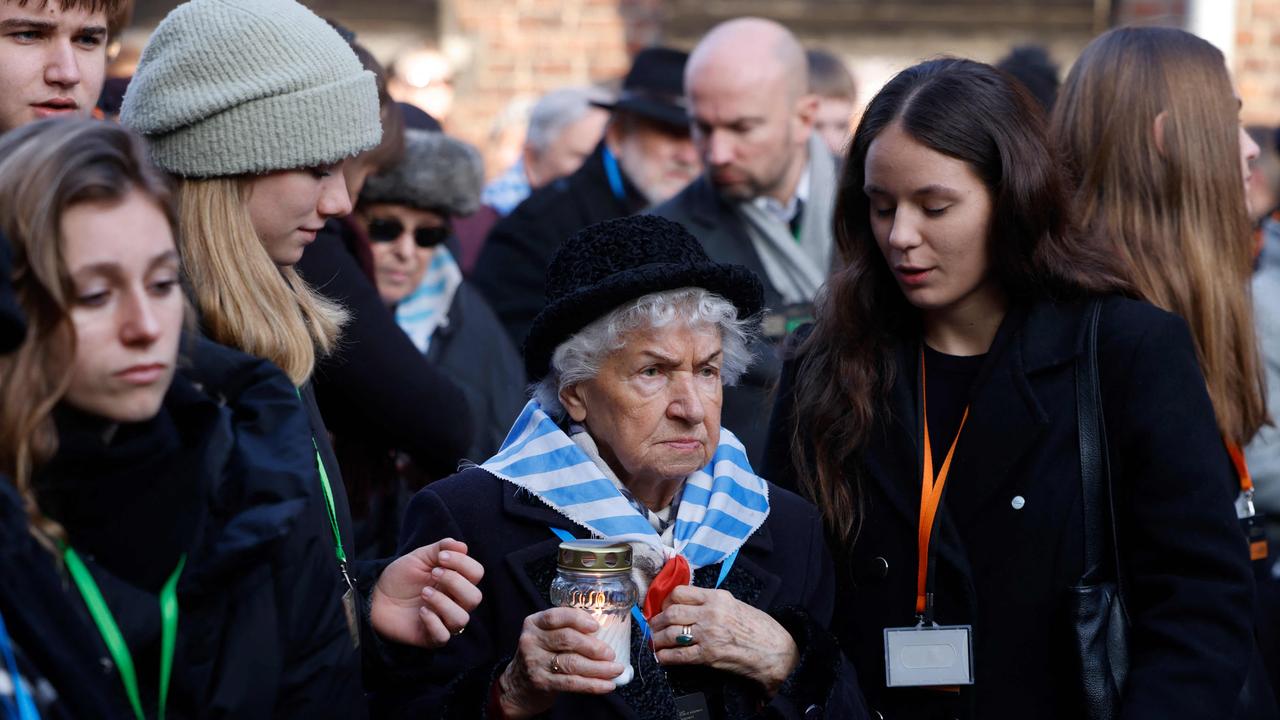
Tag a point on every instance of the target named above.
point(654, 408)
point(400, 257)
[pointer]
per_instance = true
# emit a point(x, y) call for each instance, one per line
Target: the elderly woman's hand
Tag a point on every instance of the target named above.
point(426, 596)
point(556, 654)
point(728, 634)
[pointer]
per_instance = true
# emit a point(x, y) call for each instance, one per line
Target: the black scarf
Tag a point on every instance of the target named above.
point(128, 494)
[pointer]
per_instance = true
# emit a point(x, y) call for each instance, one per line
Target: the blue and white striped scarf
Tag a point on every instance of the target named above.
point(426, 309)
point(722, 504)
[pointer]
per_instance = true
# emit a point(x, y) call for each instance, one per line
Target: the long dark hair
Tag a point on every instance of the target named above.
point(975, 113)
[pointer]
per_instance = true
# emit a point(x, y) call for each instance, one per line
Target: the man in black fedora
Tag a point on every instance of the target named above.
point(646, 157)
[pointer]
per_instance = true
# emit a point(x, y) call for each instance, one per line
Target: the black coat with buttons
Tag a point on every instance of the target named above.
point(1010, 539)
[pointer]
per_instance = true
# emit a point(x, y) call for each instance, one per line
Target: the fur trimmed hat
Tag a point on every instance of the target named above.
point(437, 173)
point(233, 87)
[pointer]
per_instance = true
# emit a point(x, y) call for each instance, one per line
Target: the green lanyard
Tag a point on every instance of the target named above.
point(328, 502)
point(333, 514)
point(115, 640)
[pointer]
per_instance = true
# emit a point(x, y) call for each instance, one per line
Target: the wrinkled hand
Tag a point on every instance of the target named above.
point(528, 687)
point(728, 634)
point(426, 596)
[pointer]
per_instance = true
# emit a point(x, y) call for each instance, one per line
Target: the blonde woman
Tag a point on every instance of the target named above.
point(254, 106)
point(1148, 122)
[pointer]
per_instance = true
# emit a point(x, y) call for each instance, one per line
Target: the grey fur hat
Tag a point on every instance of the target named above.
point(232, 87)
point(436, 173)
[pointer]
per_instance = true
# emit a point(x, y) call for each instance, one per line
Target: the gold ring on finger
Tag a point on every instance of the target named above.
point(555, 665)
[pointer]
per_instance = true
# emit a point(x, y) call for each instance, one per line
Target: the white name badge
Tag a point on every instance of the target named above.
point(928, 656)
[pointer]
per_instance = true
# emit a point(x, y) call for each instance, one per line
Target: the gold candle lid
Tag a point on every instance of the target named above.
point(594, 556)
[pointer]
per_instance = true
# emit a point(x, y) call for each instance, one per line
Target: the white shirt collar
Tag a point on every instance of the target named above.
point(785, 213)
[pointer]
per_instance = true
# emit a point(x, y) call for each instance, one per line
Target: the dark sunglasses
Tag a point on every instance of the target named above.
point(384, 230)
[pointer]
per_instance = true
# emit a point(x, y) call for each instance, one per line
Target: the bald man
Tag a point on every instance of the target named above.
point(767, 193)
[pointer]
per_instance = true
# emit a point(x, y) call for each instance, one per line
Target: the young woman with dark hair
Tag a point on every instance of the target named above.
point(960, 276)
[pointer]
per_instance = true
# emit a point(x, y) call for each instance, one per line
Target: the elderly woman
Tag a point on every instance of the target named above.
point(408, 211)
point(623, 441)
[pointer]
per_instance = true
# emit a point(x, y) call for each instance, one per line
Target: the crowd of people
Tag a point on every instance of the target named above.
point(950, 416)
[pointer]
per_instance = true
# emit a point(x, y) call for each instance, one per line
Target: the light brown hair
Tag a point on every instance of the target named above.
point(1173, 214)
point(46, 168)
point(829, 77)
point(244, 299)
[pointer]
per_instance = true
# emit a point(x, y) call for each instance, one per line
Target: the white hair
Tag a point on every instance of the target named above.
point(552, 113)
point(579, 358)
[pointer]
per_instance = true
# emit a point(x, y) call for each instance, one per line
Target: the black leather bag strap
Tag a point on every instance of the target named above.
point(1095, 464)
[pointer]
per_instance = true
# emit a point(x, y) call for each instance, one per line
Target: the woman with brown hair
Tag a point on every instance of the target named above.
point(1148, 125)
point(1149, 129)
point(944, 357)
point(166, 516)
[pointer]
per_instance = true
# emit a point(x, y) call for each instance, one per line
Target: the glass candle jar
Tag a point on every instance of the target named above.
point(595, 576)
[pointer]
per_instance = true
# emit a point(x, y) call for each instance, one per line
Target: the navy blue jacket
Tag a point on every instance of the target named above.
point(784, 568)
point(261, 631)
point(1010, 539)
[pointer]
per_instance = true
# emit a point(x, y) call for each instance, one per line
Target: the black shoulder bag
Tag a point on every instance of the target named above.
point(1099, 620)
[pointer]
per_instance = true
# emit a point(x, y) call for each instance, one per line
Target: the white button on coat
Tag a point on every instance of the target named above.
point(1018, 502)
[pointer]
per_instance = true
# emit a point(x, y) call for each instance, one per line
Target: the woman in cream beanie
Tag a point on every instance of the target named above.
point(254, 106)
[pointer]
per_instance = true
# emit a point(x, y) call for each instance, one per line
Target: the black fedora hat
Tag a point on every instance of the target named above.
point(654, 87)
point(13, 328)
point(604, 265)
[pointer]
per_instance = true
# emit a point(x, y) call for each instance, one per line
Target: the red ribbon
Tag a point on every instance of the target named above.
point(674, 574)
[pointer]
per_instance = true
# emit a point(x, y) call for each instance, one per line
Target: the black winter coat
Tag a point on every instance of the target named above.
point(1009, 543)
point(230, 481)
point(784, 568)
point(377, 385)
point(512, 268)
point(473, 350)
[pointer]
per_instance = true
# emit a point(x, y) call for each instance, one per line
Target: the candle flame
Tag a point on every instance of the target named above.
point(593, 601)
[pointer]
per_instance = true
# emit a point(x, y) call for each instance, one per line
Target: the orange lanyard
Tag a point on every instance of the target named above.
point(1242, 468)
point(930, 491)
point(1258, 549)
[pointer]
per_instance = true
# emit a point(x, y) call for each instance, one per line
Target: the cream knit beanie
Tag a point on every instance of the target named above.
point(232, 87)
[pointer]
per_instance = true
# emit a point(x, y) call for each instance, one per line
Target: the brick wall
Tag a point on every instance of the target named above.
point(508, 52)
point(1257, 60)
point(1171, 13)
point(513, 50)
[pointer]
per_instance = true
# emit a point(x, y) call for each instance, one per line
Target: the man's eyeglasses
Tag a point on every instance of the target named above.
point(385, 230)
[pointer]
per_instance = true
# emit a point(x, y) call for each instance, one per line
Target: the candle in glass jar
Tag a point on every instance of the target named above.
point(594, 575)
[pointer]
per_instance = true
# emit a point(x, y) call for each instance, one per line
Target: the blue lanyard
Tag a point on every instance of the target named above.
point(25, 707)
point(636, 615)
point(612, 172)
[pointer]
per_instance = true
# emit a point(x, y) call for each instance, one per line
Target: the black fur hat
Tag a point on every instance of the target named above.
point(604, 265)
point(436, 173)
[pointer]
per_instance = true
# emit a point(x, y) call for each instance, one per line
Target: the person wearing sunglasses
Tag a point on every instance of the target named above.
point(407, 212)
